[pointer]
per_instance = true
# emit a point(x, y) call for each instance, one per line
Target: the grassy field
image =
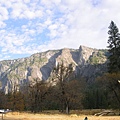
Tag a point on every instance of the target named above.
point(49, 116)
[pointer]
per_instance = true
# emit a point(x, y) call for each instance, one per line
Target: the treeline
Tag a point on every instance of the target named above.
point(43, 96)
point(103, 93)
point(61, 92)
point(64, 92)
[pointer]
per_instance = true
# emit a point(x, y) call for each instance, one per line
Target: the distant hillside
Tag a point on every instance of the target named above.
point(88, 63)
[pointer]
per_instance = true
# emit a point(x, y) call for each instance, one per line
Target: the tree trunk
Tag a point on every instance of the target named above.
point(67, 109)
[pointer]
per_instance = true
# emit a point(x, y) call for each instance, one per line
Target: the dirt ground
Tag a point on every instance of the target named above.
point(28, 116)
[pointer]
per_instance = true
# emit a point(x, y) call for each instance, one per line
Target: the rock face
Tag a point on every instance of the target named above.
point(87, 62)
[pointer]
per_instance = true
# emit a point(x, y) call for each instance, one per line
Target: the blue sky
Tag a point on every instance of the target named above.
point(31, 26)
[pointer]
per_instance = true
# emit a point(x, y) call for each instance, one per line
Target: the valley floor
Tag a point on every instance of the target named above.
point(29, 116)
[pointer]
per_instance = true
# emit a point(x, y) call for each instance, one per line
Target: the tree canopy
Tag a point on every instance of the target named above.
point(114, 48)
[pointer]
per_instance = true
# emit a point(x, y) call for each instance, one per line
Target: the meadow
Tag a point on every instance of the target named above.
point(55, 116)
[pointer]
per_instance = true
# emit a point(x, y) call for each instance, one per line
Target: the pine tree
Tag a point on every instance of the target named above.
point(114, 48)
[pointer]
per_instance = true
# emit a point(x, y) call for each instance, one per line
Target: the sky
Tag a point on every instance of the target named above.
point(33, 26)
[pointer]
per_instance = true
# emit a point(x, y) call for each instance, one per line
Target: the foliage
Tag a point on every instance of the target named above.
point(37, 94)
point(114, 48)
point(15, 101)
point(97, 57)
point(95, 96)
point(68, 92)
point(62, 74)
point(109, 82)
point(2, 100)
point(73, 94)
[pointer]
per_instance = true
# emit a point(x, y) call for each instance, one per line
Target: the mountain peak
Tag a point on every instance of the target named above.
point(40, 65)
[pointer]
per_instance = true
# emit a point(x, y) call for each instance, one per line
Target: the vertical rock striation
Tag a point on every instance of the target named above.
point(87, 63)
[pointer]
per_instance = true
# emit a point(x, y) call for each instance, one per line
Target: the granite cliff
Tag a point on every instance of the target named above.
point(88, 63)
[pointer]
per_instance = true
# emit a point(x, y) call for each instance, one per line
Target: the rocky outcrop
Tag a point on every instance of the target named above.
point(87, 63)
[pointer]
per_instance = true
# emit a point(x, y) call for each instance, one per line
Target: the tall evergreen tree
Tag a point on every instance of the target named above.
point(114, 48)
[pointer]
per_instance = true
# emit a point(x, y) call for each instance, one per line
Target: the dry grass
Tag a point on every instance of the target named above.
point(29, 116)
